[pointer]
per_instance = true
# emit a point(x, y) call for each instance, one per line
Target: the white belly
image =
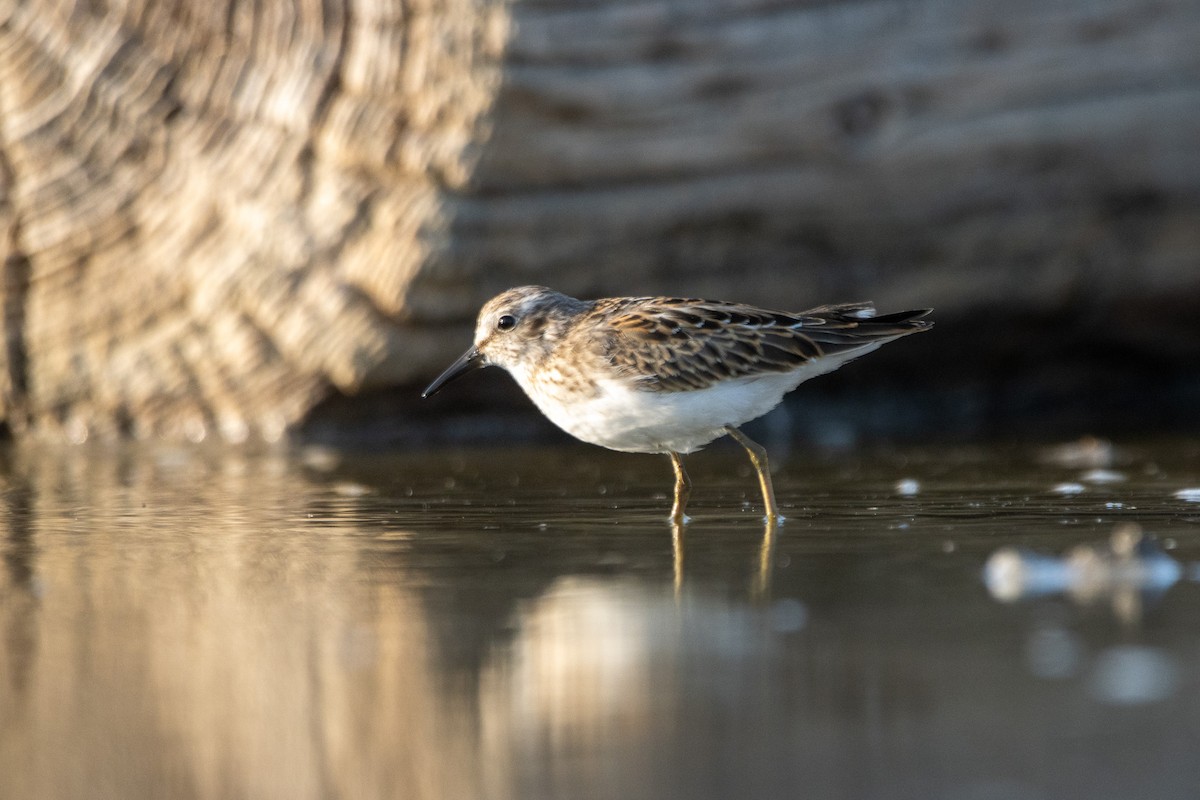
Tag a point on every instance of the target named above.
point(658, 422)
point(621, 417)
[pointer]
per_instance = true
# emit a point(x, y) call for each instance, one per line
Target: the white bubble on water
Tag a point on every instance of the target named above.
point(1102, 476)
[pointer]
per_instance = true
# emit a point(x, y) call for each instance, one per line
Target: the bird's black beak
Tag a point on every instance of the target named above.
point(466, 362)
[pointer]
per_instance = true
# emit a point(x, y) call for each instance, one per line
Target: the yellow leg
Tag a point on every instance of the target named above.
point(758, 457)
point(683, 490)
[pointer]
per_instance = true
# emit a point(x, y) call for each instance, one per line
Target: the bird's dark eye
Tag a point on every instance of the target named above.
point(506, 322)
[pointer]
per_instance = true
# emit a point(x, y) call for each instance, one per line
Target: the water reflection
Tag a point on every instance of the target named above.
point(760, 587)
point(1125, 571)
point(172, 632)
point(211, 624)
point(604, 668)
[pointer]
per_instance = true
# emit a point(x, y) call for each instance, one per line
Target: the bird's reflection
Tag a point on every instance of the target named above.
point(677, 554)
point(761, 587)
point(760, 584)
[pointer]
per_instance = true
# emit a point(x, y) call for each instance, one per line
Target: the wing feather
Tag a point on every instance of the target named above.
point(674, 344)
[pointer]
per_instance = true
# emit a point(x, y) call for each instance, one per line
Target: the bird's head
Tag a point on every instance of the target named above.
point(515, 330)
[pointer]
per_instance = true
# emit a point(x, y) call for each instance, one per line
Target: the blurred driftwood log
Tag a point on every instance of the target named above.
point(213, 214)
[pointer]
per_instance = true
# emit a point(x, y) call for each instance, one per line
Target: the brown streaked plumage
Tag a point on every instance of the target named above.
point(672, 345)
point(667, 375)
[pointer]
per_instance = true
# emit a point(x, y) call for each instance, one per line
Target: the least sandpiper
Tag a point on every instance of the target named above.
point(667, 375)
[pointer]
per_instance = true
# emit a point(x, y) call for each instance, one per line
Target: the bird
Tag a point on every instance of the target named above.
point(664, 374)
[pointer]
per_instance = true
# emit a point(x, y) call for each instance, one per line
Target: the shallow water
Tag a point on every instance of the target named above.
point(515, 623)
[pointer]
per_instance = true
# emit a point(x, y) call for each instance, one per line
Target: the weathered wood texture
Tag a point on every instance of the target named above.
point(213, 214)
point(212, 210)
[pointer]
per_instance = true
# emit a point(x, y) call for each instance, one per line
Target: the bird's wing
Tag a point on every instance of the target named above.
point(672, 345)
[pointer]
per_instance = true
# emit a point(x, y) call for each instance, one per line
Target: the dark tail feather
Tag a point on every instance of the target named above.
point(904, 316)
point(840, 327)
